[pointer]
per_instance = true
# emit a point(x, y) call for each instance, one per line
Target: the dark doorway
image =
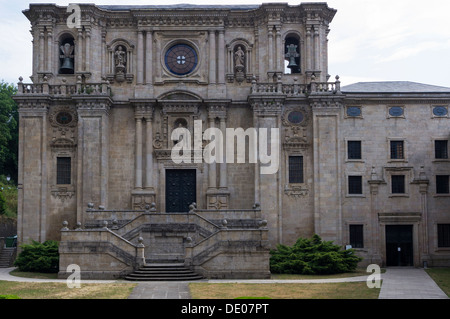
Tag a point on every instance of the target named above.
point(180, 189)
point(399, 245)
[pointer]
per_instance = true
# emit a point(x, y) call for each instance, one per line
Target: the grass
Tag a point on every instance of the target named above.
point(346, 290)
point(36, 275)
point(357, 272)
point(442, 278)
point(50, 290)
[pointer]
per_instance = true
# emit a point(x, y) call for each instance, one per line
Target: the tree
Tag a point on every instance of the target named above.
point(9, 131)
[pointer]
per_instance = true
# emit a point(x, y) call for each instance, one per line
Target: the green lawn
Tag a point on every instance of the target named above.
point(442, 277)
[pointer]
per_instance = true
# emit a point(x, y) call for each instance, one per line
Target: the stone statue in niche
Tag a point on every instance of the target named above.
point(120, 61)
point(239, 61)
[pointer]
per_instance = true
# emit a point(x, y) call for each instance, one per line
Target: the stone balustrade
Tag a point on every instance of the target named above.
point(295, 89)
point(64, 89)
point(237, 238)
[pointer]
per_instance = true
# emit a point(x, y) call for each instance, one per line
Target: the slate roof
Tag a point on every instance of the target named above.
point(393, 87)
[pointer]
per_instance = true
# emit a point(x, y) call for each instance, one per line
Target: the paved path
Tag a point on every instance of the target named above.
point(398, 283)
point(409, 283)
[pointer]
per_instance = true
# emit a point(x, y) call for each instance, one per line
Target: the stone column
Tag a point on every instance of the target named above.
point(374, 228)
point(316, 48)
point(88, 50)
point(50, 51)
point(279, 50)
point(212, 167)
point(79, 51)
point(308, 49)
point(140, 58)
point(223, 165)
point(144, 193)
point(148, 57)
point(138, 158)
point(148, 153)
point(41, 49)
point(270, 49)
point(104, 56)
point(221, 57)
point(212, 56)
point(423, 189)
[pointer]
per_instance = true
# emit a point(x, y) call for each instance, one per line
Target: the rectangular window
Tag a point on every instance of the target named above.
point(443, 235)
point(398, 184)
point(442, 186)
point(295, 169)
point(63, 170)
point(354, 149)
point(355, 184)
point(356, 236)
point(441, 149)
point(397, 150)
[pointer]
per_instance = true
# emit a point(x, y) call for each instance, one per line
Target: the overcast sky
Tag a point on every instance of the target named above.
point(370, 40)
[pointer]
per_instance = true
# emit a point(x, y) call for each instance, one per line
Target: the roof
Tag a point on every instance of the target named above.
point(393, 87)
point(177, 6)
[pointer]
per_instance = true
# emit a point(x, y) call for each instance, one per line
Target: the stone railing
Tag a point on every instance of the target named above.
point(215, 243)
point(295, 89)
point(100, 253)
point(231, 253)
point(64, 89)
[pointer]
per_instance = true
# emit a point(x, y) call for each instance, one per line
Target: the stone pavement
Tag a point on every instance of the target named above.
point(398, 283)
point(161, 290)
point(409, 283)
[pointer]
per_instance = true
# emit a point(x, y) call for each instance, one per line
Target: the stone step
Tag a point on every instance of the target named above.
point(163, 272)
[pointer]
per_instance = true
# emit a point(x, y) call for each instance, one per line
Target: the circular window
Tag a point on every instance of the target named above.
point(396, 111)
point(64, 118)
point(181, 59)
point(296, 117)
point(440, 111)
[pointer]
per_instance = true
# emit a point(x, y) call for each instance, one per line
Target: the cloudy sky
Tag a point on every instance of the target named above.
point(370, 40)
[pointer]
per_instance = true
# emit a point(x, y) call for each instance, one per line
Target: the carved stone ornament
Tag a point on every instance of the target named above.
point(298, 116)
point(62, 193)
point(63, 116)
point(296, 191)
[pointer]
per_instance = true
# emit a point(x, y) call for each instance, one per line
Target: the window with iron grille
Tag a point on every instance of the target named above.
point(398, 184)
point(442, 185)
point(355, 184)
point(63, 170)
point(354, 149)
point(295, 169)
point(397, 150)
point(443, 235)
point(356, 236)
point(441, 149)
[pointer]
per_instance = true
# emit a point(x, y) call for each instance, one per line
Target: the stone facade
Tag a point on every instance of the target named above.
point(107, 93)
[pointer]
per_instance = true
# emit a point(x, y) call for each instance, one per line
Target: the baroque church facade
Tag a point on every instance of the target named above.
point(365, 165)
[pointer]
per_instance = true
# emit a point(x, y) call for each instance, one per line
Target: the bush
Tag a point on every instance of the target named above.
point(39, 257)
point(312, 256)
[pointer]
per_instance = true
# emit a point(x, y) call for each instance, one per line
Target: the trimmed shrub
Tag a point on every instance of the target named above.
point(39, 257)
point(312, 256)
